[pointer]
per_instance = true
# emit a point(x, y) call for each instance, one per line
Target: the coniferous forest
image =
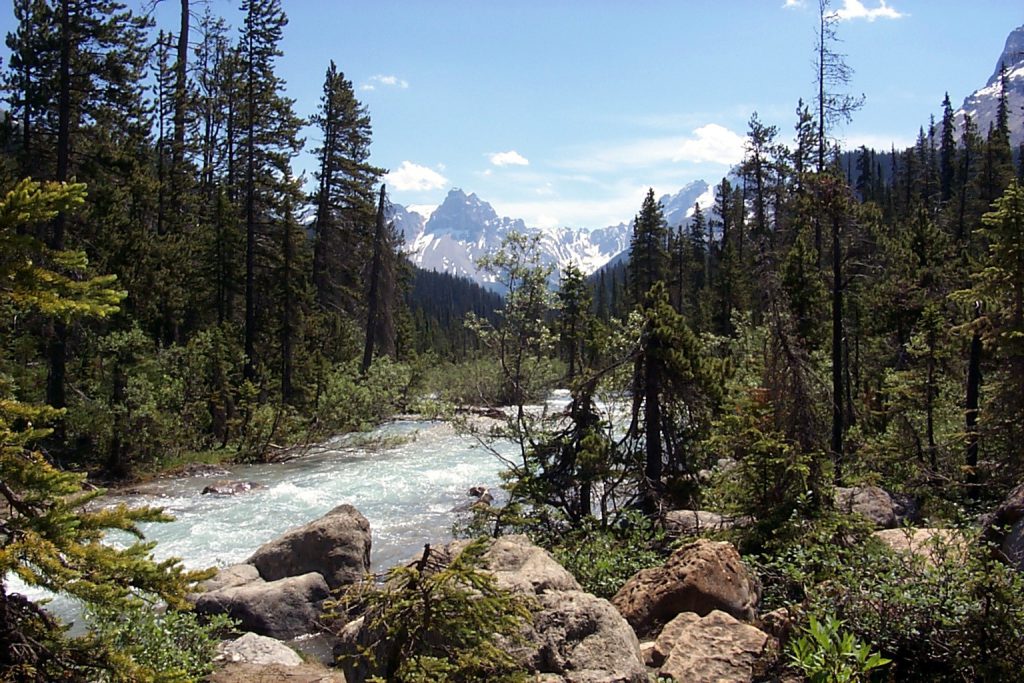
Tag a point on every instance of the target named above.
point(172, 293)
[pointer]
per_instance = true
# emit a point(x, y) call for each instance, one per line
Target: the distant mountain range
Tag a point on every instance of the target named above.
point(464, 228)
point(983, 103)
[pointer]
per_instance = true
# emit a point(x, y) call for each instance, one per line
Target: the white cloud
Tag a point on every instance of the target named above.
point(509, 158)
point(790, 4)
point(425, 210)
point(855, 9)
point(383, 80)
point(710, 143)
point(415, 178)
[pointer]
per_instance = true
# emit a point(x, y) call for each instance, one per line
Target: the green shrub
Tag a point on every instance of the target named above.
point(826, 654)
point(438, 623)
point(172, 647)
point(352, 401)
point(955, 614)
point(603, 558)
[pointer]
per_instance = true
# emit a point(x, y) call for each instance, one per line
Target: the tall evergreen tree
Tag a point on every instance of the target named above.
point(268, 139)
point(648, 260)
point(344, 198)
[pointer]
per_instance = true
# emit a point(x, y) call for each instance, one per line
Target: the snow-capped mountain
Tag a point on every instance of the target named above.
point(983, 103)
point(464, 228)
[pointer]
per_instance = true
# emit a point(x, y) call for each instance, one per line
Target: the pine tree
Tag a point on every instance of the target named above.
point(344, 198)
point(573, 315)
point(947, 152)
point(382, 287)
point(268, 139)
point(648, 260)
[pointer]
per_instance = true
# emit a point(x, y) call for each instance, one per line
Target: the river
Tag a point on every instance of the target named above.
point(405, 476)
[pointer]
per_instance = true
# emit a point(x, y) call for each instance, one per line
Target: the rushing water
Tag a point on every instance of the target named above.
point(407, 492)
point(406, 486)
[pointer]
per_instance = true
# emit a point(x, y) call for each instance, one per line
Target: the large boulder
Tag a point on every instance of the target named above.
point(875, 504)
point(337, 546)
point(520, 566)
point(712, 649)
point(231, 577)
point(281, 609)
point(930, 544)
point(1004, 528)
point(583, 639)
point(700, 577)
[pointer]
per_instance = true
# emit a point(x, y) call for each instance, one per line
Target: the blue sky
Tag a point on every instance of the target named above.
point(563, 112)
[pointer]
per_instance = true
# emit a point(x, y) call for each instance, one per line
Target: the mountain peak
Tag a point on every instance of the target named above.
point(982, 104)
point(1012, 56)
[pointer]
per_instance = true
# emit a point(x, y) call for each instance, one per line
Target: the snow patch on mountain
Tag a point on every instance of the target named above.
point(982, 105)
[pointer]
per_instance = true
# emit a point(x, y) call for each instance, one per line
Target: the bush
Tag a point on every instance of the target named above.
point(352, 401)
point(825, 654)
point(438, 624)
point(603, 558)
point(173, 646)
point(953, 616)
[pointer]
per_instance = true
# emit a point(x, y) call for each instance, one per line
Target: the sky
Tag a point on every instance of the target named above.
point(564, 112)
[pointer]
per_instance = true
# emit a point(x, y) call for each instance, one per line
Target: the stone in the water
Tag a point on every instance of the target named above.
point(336, 545)
point(282, 609)
point(231, 488)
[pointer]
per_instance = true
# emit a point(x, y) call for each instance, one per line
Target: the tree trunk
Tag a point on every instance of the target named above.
point(372, 303)
point(837, 351)
point(971, 413)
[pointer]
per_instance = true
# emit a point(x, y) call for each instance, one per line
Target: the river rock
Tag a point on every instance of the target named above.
point(931, 544)
point(231, 488)
point(201, 469)
point(337, 546)
point(256, 649)
point(519, 565)
point(700, 577)
point(242, 672)
point(230, 577)
point(280, 609)
point(712, 649)
point(575, 637)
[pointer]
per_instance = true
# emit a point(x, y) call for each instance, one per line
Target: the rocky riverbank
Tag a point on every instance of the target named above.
point(697, 613)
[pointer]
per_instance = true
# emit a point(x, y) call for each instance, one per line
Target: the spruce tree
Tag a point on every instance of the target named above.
point(345, 217)
point(648, 260)
point(267, 140)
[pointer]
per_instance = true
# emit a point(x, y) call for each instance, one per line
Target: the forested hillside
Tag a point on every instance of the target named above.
point(173, 292)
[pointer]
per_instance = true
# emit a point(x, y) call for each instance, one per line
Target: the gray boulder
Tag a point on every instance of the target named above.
point(231, 577)
point(583, 639)
point(231, 488)
point(280, 609)
point(700, 577)
point(256, 649)
point(696, 522)
point(575, 637)
point(878, 506)
point(337, 546)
